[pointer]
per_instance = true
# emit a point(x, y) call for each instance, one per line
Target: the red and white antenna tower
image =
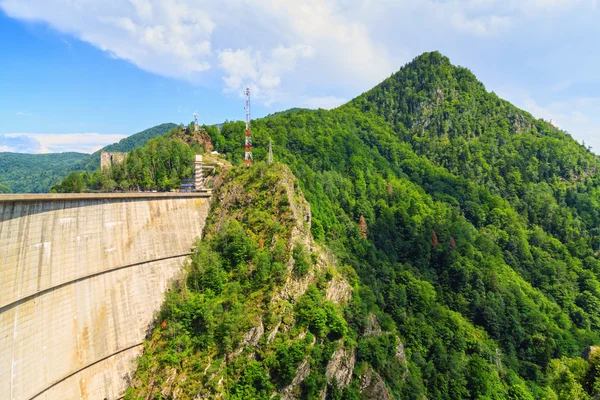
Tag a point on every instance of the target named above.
point(248, 155)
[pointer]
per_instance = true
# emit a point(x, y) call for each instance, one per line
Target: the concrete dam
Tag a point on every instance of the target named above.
point(81, 277)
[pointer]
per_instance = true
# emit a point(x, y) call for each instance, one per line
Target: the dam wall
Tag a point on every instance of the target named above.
point(81, 277)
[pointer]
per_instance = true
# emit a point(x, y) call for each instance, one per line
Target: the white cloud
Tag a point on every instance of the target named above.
point(171, 38)
point(56, 143)
point(262, 74)
point(480, 26)
point(22, 114)
point(326, 102)
point(560, 86)
point(577, 116)
point(523, 99)
point(19, 144)
point(288, 51)
point(259, 43)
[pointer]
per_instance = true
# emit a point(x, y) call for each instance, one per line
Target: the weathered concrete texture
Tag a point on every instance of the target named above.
point(107, 379)
point(80, 281)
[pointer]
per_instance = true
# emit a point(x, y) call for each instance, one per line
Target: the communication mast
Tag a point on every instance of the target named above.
point(248, 155)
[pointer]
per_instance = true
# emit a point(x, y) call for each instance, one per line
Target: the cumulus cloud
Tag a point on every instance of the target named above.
point(288, 51)
point(171, 38)
point(326, 102)
point(19, 144)
point(261, 73)
point(259, 43)
point(54, 143)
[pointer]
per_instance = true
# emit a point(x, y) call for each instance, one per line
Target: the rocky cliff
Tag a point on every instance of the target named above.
point(263, 310)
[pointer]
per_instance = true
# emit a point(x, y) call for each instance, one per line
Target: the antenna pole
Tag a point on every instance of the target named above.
point(248, 146)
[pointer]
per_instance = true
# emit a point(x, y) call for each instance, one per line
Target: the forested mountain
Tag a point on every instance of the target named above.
point(4, 189)
point(36, 173)
point(160, 164)
point(260, 301)
point(466, 227)
point(127, 144)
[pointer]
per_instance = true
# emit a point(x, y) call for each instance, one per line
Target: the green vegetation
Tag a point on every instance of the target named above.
point(4, 189)
point(238, 282)
point(480, 256)
point(127, 144)
point(35, 173)
point(159, 165)
point(509, 286)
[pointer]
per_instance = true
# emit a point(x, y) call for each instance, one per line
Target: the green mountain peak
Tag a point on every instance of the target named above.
point(466, 229)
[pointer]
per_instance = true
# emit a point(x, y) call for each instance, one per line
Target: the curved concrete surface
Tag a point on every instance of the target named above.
point(81, 277)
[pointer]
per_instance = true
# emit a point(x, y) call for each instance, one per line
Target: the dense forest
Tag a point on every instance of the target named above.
point(126, 145)
point(160, 164)
point(470, 228)
point(240, 280)
point(37, 173)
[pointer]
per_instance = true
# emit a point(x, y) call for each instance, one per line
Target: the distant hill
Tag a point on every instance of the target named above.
point(36, 173)
point(4, 189)
point(126, 145)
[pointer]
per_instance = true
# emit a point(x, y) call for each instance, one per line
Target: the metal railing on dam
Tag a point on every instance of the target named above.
point(81, 276)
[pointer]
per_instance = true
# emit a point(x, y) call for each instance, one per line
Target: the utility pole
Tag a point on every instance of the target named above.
point(270, 159)
point(248, 146)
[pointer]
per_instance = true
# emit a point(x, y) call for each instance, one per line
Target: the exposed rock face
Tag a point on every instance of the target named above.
point(195, 137)
point(341, 366)
point(589, 352)
point(252, 337)
point(400, 355)
point(273, 332)
point(339, 291)
point(520, 123)
point(372, 327)
point(272, 324)
point(372, 387)
point(289, 392)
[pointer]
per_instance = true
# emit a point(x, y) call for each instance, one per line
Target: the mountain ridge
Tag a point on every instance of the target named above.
point(18, 171)
point(466, 227)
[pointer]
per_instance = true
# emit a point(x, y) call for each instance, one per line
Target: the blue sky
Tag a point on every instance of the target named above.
point(75, 76)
